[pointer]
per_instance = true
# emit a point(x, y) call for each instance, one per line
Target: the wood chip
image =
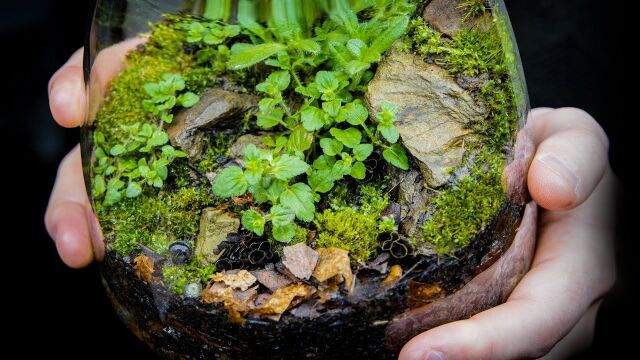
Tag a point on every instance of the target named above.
point(394, 275)
point(285, 298)
point(420, 294)
point(300, 260)
point(236, 302)
point(143, 266)
point(380, 263)
point(242, 280)
point(334, 262)
point(271, 279)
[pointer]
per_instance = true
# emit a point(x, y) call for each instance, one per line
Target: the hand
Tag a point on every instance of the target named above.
point(552, 310)
point(573, 266)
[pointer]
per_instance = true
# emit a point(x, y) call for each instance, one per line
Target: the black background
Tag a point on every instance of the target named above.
point(573, 55)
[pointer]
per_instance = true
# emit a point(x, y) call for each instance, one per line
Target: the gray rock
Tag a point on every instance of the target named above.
point(446, 16)
point(434, 113)
point(236, 150)
point(192, 290)
point(215, 225)
point(216, 109)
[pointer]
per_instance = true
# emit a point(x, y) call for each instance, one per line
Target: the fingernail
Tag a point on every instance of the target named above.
point(435, 355)
point(561, 169)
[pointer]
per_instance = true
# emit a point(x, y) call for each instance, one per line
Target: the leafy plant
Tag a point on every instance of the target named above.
point(164, 97)
point(329, 135)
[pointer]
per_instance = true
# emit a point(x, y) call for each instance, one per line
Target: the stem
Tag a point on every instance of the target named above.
point(295, 76)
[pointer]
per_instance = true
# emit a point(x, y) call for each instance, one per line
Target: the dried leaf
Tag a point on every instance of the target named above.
point(271, 279)
point(420, 294)
point(241, 280)
point(285, 298)
point(144, 268)
point(300, 260)
point(394, 275)
point(380, 263)
point(236, 302)
point(329, 292)
point(334, 262)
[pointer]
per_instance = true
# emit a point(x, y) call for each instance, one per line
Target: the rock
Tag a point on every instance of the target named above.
point(472, 83)
point(446, 16)
point(192, 290)
point(217, 108)
point(434, 112)
point(215, 225)
point(414, 200)
point(300, 260)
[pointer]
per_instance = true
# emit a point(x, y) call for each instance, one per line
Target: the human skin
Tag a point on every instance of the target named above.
point(550, 313)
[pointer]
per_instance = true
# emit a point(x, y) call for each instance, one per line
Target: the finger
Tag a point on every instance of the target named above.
point(570, 160)
point(571, 270)
point(67, 94)
point(66, 217)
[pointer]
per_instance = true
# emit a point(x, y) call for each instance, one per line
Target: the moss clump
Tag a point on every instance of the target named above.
point(176, 277)
point(154, 220)
point(473, 8)
point(466, 208)
point(354, 228)
point(473, 53)
point(217, 147)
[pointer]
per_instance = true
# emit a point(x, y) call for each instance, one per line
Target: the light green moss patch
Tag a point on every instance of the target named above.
point(176, 277)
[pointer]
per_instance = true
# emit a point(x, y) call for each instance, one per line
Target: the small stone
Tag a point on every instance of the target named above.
point(414, 199)
point(300, 260)
point(446, 16)
point(217, 108)
point(236, 150)
point(192, 290)
point(215, 225)
point(434, 112)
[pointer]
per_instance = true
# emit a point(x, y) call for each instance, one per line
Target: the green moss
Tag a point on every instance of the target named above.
point(466, 208)
point(176, 277)
point(154, 220)
point(473, 8)
point(216, 147)
point(301, 236)
point(354, 228)
point(473, 53)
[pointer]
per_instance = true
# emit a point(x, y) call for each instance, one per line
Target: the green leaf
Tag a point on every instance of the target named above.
point(340, 169)
point(274, 190)
point(397, 156)
point(390, 133)
point(253, 221)
point(330, 146)
point(324, 162)
point(280, 79)
point(271, 119)
point(284, 233)
point(133, 190)
point(188, 100)
point(394, 29)
point(286, 167)
point(327, 81)
point(281, 215)
point(332, 107)
point(321, 181)
point(312, 118)
point(349, 137)
point(355, 47)
point(300, 139)
point(355, 113)
point(299, 198)
point(112, 197)
point(230, 182)
point(117, 150)
point(158, 138)
point(358, 171)
point(99, 186)
point(245, 55)
point(115, 184)
point(362, 151)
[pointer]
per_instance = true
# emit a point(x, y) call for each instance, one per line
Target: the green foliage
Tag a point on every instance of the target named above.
point(154, 220)
point(355, 227)
point(164, 97)
point(330, 135)
point(466, 208)
point(176, 277)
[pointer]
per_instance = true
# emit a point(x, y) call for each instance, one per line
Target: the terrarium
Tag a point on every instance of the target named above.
point(288, 179)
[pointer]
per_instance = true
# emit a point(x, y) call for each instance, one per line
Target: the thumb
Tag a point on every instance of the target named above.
point(570, 160)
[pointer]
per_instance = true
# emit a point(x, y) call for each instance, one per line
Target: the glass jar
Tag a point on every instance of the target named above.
point(295, 179)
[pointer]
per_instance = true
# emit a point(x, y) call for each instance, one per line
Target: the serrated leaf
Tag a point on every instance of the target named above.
point(358, 171)
point(270, 119)
point(245, 55)
point(300, 139)
point(133, 190)
point(230, 182)
point(390, 133)
point(280, 79)
point(326, 81)
point(299, 198)
point(112, 197)
point(312, 118)
point(321, 181)
point(253, 221)
point(362, 151)
point(99, 186)
point(340, 169)
point(117, 150)
point(394, 29)
point(397, 156)
point(355, 47)
point(330, 146)
point(286, 167)
point(284, 233)
point(332, 107)
point(355, 113)
point(281, 215)
point(188, 100)
point(324, 162)
point(158, 138)
point(349, 137)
